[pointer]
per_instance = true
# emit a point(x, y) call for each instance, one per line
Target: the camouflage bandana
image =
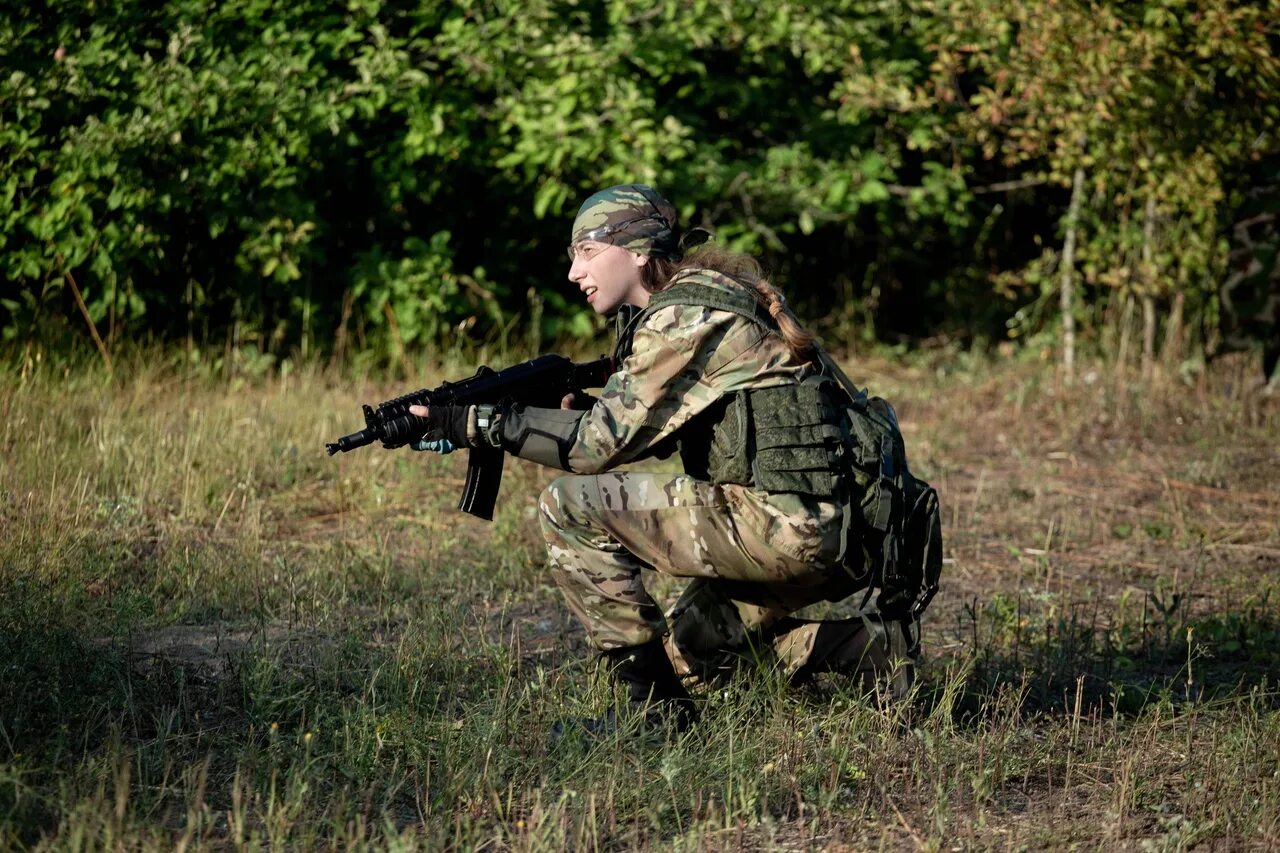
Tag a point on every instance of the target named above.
point(633, 216)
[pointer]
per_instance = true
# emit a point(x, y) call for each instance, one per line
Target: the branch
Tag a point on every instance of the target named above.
point(93, 329)
point(1007, 186)
point(1260, 219)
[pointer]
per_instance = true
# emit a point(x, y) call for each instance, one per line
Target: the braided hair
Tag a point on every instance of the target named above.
point(746, 271)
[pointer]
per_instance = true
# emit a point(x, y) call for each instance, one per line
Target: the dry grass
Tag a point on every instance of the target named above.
point(216, 636)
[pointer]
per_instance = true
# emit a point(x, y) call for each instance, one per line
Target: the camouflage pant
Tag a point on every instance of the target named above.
point(753, 559)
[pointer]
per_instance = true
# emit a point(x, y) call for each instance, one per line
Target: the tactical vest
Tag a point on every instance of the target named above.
point(780, 438)
point(827, 438)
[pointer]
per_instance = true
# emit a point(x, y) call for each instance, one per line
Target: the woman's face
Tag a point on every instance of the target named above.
point(609, 276)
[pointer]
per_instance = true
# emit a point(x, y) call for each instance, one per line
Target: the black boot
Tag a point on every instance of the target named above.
point(653, 688)
point(873, 652)
point(654, 693)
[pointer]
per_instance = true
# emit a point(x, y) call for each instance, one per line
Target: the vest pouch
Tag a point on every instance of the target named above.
point(878, 460)
point(796, 439)
point(728, 455)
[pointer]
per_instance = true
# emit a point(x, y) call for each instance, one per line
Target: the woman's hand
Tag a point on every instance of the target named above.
point(580, 402)
point(447, 428)
point(439, 445)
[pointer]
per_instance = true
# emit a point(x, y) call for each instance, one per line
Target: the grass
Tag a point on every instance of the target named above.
point(214, 636)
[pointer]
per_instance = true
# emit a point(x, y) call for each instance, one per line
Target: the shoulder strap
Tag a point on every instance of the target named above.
point(857, 396)
point(624, 329)
point(683, 291)
point(738, 300)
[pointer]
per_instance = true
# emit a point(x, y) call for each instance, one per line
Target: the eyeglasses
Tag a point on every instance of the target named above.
point(585, 251)
point(587, 248)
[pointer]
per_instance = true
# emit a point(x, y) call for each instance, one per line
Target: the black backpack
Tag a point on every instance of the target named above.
point(897, 521)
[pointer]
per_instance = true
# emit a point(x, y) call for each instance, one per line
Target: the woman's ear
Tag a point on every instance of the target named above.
point(638, 259)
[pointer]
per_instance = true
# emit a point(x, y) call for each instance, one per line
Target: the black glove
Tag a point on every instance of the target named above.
point(582, 401)
point(442, 422)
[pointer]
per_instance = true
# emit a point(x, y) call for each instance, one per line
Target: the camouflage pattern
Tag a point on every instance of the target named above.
point(683, 359)
point(633, 216)
point(602, 530)
point(711, 633)
point(752, 561)
point(754, 556)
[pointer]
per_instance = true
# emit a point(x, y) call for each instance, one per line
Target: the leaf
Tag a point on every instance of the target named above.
point(545, 196)
point(872, 191)
point(806, 222)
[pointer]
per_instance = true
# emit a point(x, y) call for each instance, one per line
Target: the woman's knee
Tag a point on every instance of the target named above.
point(562, 505)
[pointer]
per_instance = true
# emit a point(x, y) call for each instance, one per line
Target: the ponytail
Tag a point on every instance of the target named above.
point(746, 271)
point(799, 339)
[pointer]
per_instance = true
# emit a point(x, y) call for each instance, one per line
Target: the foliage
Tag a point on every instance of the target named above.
point(213, 635)
point(1163, 105)
point(292, 174)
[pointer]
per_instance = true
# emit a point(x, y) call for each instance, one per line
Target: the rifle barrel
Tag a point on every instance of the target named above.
point(352, 441)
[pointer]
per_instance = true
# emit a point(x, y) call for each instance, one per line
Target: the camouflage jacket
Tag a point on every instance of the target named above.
point(683, 359)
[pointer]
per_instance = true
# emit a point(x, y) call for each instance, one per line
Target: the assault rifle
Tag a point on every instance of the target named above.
point(541, 382)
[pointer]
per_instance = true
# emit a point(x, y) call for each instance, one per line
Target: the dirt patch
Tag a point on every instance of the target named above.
point(203, 652)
